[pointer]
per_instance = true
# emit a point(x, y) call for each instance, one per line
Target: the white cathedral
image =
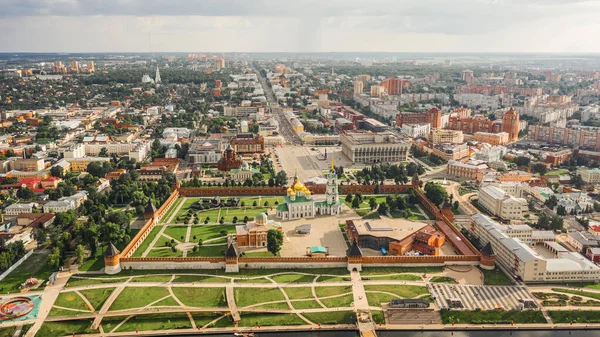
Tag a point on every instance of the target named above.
point(300, 204)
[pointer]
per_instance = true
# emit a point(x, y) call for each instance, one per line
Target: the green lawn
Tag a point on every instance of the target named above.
point(558, 172)
point(134, 297)
point(165, 252)
point(199, 278)
point(171, 210)
point(95, 263)
point(297, 293)
point(59, 329)
point(186, 206)
point(333, 317)
point(378, 317)
point(148, 322)
point(142, 248)
point(306, 304)
point(404, 291)
point(201, 297)
point(35, 266)
point(398, 277)
point(167, 302)
point(371, 271)
point(330, 291)
point(492, 317)
point(443, 279)
point(96, 279)
point(495, 277)
point(578, 292)
point(71, 300)
point(209, 251)
point(376, 299)
point(203, 318)
point(152, 278)
point(176, 232)
point(207, 232)
point(289, 278)
point(575, 316)
point(249, 296)
point(342, 301)
point(255, 319)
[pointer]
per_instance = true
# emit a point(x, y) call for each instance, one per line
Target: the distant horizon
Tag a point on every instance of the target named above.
point(312, 52)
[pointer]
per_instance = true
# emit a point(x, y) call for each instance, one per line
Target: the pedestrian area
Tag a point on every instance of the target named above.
point(473, 297)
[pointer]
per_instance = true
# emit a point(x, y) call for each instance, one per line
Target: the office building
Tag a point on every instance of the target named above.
point(524, 262)
point(369, 147)
point(416, 130)
point(590, 176)
point(438, 136)
point(502, 204)
point(500, 138)
point(462, 170)
point(433, 117)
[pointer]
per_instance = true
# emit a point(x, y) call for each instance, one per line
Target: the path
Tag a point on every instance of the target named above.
point(154, 241)
point(188, 233)
point(231, 303)
point(113, 296)
point(183, 200)
point(49, 296)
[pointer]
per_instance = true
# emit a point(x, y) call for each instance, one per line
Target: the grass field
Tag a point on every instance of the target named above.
point(96, 262)
point(209, 251)
point(289, 278)
point(297, 293)
point(576, 316)
point(256, 319)
point(495, 277)
point(578, 293)
point(306, 304)
point(142, 248)
point(59, 329)
point(148, 322)
point(333, 317)
point(165, 252)
point(341, 301)
point(35, 266)
point(152, 278)
point(372, 271)
point(443, 279)
point(171, 210)
point(245, 297)
point(404, 291)
point(492, 317)
point(133, 297)
point(71, 300)
point(398, 277)
point(331, 291)
point(201, 297)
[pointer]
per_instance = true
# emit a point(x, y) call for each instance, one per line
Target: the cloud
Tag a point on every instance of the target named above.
point(300, 25)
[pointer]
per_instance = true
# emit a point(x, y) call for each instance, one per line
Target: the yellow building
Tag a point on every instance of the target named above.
point(81, 164)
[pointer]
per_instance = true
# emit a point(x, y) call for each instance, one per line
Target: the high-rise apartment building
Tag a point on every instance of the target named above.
point(377, 90)
point(394, 86)
point(433, 117)
point(467, 76)
point(74, 67)
point(359, 87)
point(91, 67)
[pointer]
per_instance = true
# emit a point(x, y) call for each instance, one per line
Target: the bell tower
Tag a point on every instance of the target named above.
point(331, 193)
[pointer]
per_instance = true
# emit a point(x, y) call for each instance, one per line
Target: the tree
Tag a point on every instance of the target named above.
point(436, 193)
point(521, 161)
point(372, 203)
point(577, 181)
point(39, 234)
point(235, 219)
point(25, 193)
point(455, 205)
point(266, 204)
point(281, 178)
point(55, 257)
point(80, 254)
point(274, 241)
point(56, 171)
point(556, 223)
point(348, 198)
point(383, 208)
point(543, 222)
point(103, 152)
point(560, 210)
point(200, 242)
point(539, 168)
point(355, 202)
point(255, 203)
point(551, 202)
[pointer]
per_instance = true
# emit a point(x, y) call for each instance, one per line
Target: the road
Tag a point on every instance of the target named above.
point(284, 125)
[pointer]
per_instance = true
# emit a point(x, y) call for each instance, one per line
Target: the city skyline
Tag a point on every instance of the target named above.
point(304, 26)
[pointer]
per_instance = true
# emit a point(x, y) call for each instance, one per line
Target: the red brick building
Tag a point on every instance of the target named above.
point(433, 117)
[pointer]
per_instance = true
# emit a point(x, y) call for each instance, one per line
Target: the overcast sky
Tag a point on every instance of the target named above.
point(300, 25)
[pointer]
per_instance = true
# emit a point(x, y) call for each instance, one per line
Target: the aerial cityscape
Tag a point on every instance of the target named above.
point(301, 189)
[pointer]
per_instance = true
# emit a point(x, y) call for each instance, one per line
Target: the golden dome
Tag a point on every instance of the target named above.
point(307, 192)
point(289, 189)
point(298, 186)
point(292, 194)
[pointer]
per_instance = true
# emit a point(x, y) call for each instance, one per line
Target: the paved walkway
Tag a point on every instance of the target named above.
point(113, 296)
point(170, 219)
point(49, 296)
point(230, 293)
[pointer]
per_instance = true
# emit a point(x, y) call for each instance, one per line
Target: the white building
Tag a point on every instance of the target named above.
point(370, 147)
point(66, 203)
point(502, 204)
point(491, 153)
point(478, 100)
point(20, 208)
point(590, 176)
point(75, 151)
point(416, 130)
point(575, 202)
point(525, 263)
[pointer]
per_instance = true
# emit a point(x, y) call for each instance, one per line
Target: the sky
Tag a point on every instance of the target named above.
point(548, 26)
